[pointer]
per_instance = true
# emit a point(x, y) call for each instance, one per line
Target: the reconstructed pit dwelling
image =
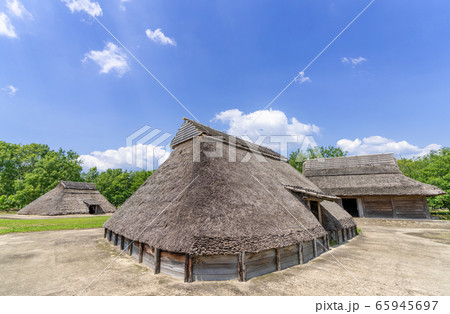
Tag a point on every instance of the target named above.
point(69, 198)
point(371, 186)
point(222, 208)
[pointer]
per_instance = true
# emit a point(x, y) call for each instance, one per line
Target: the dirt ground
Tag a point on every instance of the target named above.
point(390, 257)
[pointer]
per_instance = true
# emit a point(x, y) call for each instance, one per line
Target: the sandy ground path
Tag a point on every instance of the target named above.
point(388, 258)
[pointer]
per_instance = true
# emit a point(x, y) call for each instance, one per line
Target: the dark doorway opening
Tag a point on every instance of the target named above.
point(315, 208)
point(351, 206)
point(92, 209)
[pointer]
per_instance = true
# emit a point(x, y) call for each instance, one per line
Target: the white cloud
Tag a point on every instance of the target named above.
point(11, 90)
point(16, 8)
point(301, 78)
point(112, 58)
point(353, 61)
point(91, 8)
point(148, 156)
point(122, 4)
point(379, 145)
point(271, 124)
point(158, 37)
point(6, 27)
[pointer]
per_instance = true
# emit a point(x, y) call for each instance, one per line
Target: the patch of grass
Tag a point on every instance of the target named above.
point(32, 225)
point(9, 211)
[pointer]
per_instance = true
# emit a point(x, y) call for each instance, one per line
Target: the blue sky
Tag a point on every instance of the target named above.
point(382, 86)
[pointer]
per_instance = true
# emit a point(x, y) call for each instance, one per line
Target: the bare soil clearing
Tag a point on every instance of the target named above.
point(390, 257)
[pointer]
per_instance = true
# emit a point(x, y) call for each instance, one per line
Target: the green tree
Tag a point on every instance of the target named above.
point(433, 169)
point(47, 172)
point(298, 157)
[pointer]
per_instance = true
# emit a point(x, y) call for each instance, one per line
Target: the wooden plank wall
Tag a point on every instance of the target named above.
point(148, 257)
point(378, 207)
point(172, 264)
point(135, 250)
point(289, 256)
point(308, 251)
point(410, 207)
point(217, 268)
point(260, 263)
point(220, 267)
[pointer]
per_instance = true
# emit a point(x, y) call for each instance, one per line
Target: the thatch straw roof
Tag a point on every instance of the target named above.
point(215, 206)
point(68, 198)
point(364, 175)
point(335, 217)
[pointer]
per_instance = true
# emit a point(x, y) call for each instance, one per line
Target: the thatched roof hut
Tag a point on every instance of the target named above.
point(371, 186)
point(69, 198)
point(215, 202)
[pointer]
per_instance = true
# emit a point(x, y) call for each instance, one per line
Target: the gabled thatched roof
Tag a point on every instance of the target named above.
point(68, 198)
point(215, 206)
point(364, 175)
point(190, 129)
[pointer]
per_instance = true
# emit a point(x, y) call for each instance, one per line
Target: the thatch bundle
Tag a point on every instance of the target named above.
point(69, 198)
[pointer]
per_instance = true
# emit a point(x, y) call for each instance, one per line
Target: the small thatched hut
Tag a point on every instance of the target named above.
point(69, 198)
point(221, 208)
point(371, 186)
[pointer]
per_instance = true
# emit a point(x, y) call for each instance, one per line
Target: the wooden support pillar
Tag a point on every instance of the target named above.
point(115, 238)
point(104, 234)
point(300, 253)
point(326, 241)
point(344, 235)
point(122, 242)
point(315, 247)
point(141, 252)
point(157, 261)
point(130, 247)
point(187, 270)
point(278, 258)
point(242, 274)
point(109, 235)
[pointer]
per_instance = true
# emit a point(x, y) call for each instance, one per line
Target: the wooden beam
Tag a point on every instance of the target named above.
point(115, 239)
point(315, 247)
point(130, 247)
point(109, 235)
point(141, 252)
point(191, 265)
point(241, 267)
point(300, 253)
point(122, 242)
point(326, 241)
point(278, 258)
point(157, 261)
point(186, 267)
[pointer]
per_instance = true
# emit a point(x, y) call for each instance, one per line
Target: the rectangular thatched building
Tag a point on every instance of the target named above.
point(371, 186)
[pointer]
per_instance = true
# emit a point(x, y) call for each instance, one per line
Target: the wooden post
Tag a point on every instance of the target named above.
point(104, 234)
point(122, 242)
point(241, 267)
point(115, 238)
point(278, 258)
point(109, 235)
point(344, 235)
point(130, 247)
point(314, 247)
point(157, 261)
point(327, 242)
point(300, 253)
point(141, 252)
point(187, 274)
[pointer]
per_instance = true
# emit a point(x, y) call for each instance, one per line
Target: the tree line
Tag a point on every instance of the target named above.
point(29, 171)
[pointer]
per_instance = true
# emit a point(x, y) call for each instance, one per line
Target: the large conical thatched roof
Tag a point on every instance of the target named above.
point(364, 175)
point(214, 206)
point(68, 198)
